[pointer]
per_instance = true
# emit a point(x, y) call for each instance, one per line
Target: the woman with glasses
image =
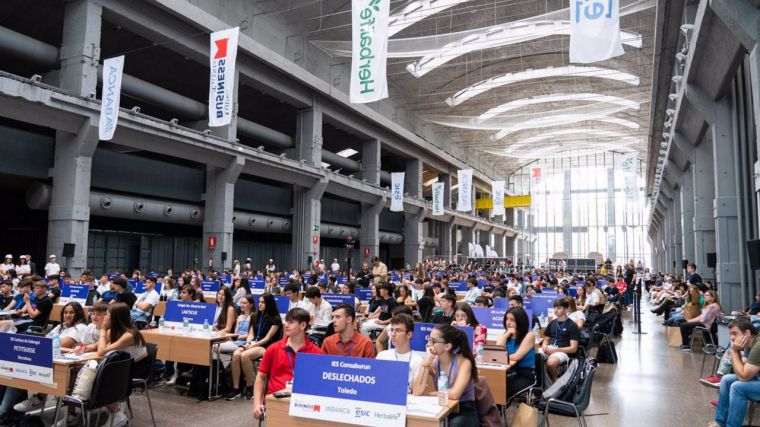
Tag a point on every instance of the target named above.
point(464, 316)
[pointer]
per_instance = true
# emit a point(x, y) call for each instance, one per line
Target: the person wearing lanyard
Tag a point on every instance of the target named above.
point(278, 364)
point(402, 329)
point(560, 339)
point(291, 291)
point(346, 341)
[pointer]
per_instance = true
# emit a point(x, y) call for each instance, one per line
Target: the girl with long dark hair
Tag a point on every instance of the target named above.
point(520, 342)
point(225, 311)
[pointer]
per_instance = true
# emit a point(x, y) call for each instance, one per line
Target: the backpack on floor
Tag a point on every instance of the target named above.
point(606, 353)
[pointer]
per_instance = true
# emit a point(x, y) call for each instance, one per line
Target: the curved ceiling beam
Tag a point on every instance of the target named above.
point(560, 120)
point(557, 97)
point(542, 73)
point(588, 133)
point(576, 147)
point(417, 10)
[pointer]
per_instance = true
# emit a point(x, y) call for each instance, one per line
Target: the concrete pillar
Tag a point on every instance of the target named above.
point(509, 217)
point(445, 239)
point(307, 216)
point(611, 243)
point(468, 236)
point(446, 180)
point(371, 162)
point(754, 61)
point(413, 238)
point(729, 247)
point(309, 135)
point(704, 192)
point(687, 216)
point(217, 217)
point(567, 215)
point(413, 178)
point(500, 242)
point(510, 246)
point(369, 232)
point(677, 233)
point(80, 46)
point(667, 230)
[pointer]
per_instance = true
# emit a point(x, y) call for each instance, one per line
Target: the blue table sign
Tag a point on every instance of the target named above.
point(491, 318)
point(196, 312)
point(283, 302)
point(501, 303)
point(77, 293)
point(338, 299)
point(26, 357)
point(210, 288)
point(364, 294)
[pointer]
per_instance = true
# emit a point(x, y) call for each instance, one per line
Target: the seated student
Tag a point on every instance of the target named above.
point(445, 316)
point(291, 291)
point(224, 317)
point(472, 291)
point(6, 294)
point(346, 341)
point(754, 308)
point(122, 294)
point(381, 317)
point(279, 361)
point(319, 309)
point(119, 334)
point(402, 329)
point(243, 322)
point(560, 339)
point(737, 389)
point(91, 332)
point(593, 296)
point(482, 302)
point(264, 330)
point(55, 291)
point(464, 316)
point(706, 319)
point(574, 314)
point(381, 343)
point(426, 303)
point(350, 289)
point(24, 287)
point(34, 312)
point(520, 343)
point(143, 307)
point(103, 285)
point(448, 352)
point(517, 301)
point(187, 293)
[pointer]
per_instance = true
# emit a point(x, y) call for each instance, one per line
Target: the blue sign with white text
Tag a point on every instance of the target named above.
point(75, 292)
point(257, 284)
point(210, 287)
point(338, 299)
point(26, 349)
point(364, 294)
point(195, 312)
point(491, 318)
point(140, 288)
point(458, 285)
point(422, 335)
point(283, 302)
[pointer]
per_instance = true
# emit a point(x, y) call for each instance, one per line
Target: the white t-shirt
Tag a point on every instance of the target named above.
point(414, 359)
point(52, 269)
point(22, 269)
point(335, 267)
point(104, 287)
point(90, 334)
point(299, 304)
point(593, 298)
point(322, 314)
point(150, 297)
point(74, 332)
point(576, 316)
point(5, 267)
point(472, 293)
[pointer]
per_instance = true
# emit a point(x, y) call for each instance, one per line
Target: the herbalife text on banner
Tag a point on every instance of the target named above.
point(397, 191)
point(594, 30)
point(369, 48)
point(223, 51)
point(111, 97)
point(497, 188)
point(438, 198)
point(464, 201)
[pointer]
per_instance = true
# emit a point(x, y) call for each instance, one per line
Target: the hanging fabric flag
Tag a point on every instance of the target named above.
point(464, 202)
point(438, 188)
point(111, 97)
point(369, 48)
point(222, 80)
point(535, 176)
point(497, 188)
point(594, 30)
point(397, 191)
point(628, 165)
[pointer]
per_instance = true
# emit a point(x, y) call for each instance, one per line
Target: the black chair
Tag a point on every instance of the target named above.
point(141, 377)
point(112, 385)
point(574, 408)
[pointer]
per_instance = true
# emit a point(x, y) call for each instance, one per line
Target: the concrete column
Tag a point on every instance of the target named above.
point(80, 46)
point(510, 246)
point(413, 237)
point(677, 233)
point(309, 135)
point(704, 192)
point(567, 215)
point(484, 239)
point(369, 232)
point(500, 242)
point(307, 216)
point(371, 162)
point(687, 215)
point(729, 247)
point(446, 180)
point(509, 217)
point(668, 229)
point(468, 236)
point(611, 248)
point(413, 178)
point(445, 230)
point(217, 216)
point(754, 61)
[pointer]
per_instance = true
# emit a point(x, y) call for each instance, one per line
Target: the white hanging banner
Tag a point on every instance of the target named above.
point(628, 165)
point(438, 189)
point(369, 48)
point(223, 52)
point(464, 202)
point(111, 97)
point(497, 189)
point(397, 191)
point(594, 30)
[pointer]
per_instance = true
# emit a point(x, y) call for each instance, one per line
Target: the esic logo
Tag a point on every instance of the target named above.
point(361, 413)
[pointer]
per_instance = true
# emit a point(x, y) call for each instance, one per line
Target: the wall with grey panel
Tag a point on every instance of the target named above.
point(25, 153)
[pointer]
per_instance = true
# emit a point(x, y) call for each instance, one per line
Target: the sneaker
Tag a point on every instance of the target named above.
point(71, 420)
point(172, 380)
point(249, 393)
point(711, 381)
point(714, 404)
point(31, 404)
point(234, 394)
point(684, 347)
point(714, 424)
point(119, 419)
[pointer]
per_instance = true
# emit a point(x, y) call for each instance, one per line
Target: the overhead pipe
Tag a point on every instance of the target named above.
point(39, 196)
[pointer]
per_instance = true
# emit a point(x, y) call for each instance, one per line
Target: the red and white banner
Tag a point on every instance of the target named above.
point(222, 80)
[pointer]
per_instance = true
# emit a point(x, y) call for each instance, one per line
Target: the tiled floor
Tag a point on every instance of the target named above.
point(651, 386)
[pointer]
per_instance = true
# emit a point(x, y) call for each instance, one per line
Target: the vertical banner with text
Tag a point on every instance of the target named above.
point(438, 189)
point(594, 30)
point(111, 97)
point(397, 191)
point(497, 188)
point(464, 201)
point(222, 79)
point(369, 48)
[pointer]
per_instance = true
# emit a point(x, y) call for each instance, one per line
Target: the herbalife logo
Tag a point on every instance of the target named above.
point(366, 54)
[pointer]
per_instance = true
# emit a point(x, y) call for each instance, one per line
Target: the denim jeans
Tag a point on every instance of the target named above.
point(138, 315)
point(9, 399)
point(732, 400)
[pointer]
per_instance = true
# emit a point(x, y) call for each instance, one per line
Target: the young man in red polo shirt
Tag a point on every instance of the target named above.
point(279, 361)
point(347, 341)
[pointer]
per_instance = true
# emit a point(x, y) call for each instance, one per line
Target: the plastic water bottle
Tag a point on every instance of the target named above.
point(443, 389)
point(56, 346)
point(537, 331)
point(186, 325)
point(152, 324)
point(206, 329)
point(479, 353)
point(161, 324)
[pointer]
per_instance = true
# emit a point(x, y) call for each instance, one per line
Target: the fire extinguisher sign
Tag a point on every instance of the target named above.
point(211, 243)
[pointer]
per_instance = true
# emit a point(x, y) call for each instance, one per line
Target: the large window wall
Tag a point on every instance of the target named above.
point(579, 206)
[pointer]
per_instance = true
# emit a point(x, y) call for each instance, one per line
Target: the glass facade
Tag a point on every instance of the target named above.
point(579, 206)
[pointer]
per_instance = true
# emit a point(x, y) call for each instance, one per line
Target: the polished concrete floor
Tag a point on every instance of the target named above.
point(652, 385)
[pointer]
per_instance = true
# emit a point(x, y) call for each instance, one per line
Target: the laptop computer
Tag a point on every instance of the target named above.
point(495, 354)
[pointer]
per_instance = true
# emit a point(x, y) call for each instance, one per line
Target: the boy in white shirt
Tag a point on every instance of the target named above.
point(472, 291)
point(52, 268)
point(144, 304)
point(402, 329)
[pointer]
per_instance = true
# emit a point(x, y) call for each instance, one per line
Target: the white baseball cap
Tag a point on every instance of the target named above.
point(51, 256)
point(9, 256)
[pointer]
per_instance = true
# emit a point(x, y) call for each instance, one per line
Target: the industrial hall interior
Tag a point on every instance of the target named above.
point(381, 213)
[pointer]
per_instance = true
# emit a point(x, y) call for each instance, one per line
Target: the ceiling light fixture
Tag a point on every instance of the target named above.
point(568, 71)
point(348, 152)
point(430, 182)
point(557, 97)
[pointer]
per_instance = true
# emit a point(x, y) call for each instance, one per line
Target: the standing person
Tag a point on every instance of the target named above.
point(346, 341)
point(402, 330)
point(629, 276)
point(520, 343)
point(691, 274)
point(279, 361)
point(143, 306)
point(379, 271)
point(52, 268)
point(335, 267)
point(426, 303)
point(464, 316)
point(7, 265)
point(560, 339)
point(449, 354)
point(236, 269)
point(32, 265)
point(270, 267)
point(23, 268)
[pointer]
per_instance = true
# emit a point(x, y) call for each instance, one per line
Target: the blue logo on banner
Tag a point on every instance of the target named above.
point(228, 278)
point(282, 301)
point(197, 312)
point(491, 318)
point(26, 349)
point(140, 288)
point(364, 294)
point(306, 277)
point(593, 10)
point(210, 286)
point(257, 284)
point(540, 304)
point(501, 303)
point(422, 335)
point(282, 282)
point(351, 378)
point(338, 299)
point(342, 280)
point(458, 285)
point(75, 291)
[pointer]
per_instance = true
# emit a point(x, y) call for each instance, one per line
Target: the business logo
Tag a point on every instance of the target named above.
point(222, 78)
point(307, 407)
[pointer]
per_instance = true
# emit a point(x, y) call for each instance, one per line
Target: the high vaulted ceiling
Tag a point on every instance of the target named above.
point(531, 103)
